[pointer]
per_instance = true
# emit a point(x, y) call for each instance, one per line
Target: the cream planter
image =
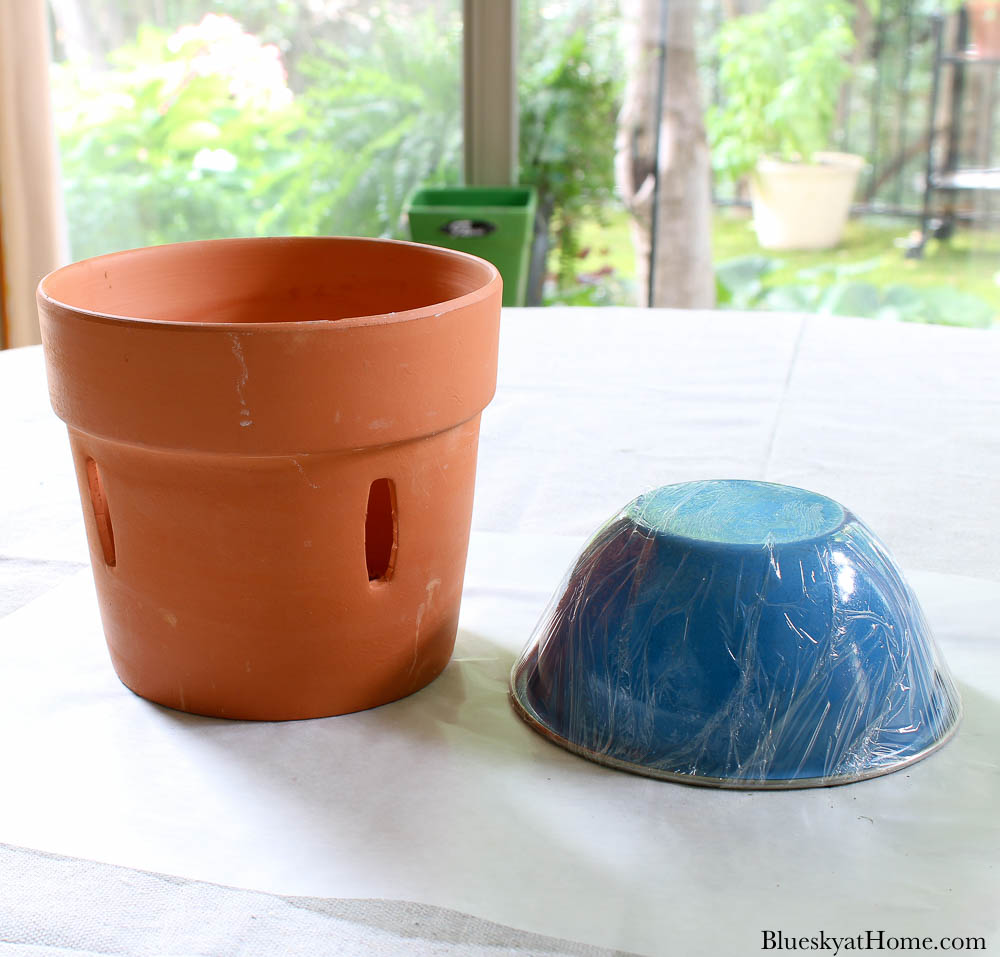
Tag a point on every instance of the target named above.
point(803, 205)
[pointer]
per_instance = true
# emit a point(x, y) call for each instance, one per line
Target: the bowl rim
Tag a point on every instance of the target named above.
point(522, 708)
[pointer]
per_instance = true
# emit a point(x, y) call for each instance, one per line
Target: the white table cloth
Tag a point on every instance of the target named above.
point(497, 840)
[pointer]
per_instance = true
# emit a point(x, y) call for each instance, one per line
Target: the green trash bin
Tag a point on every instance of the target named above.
point(495, 222)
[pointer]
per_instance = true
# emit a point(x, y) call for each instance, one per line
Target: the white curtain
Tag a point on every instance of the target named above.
point(32, 229)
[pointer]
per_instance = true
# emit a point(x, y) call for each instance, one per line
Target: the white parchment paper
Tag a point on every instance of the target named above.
point(446, 798)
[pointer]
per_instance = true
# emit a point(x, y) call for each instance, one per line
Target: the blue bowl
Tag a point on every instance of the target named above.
point(738, 634)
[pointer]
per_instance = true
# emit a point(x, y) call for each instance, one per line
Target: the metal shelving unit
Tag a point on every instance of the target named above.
point(952, 179)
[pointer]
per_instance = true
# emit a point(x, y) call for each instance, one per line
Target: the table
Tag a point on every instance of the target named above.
point(441, 824)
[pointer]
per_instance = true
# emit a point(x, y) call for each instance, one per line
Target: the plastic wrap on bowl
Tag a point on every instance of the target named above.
point(739, 634)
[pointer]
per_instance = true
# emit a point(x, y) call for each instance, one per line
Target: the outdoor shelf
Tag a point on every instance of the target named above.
point(967, 179)
point(971, 58)
point(950, 176)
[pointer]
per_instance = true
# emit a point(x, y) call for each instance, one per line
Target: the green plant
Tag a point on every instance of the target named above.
point(746, 282)
point(378, 120)
point(172, 141)
point(196, 133)
point(570, 94)
point(780, 73)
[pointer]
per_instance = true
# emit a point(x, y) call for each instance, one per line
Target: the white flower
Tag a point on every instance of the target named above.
point(219, 46)
point(218, 161)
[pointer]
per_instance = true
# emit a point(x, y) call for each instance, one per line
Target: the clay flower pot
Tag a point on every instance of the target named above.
point(984, 28)
point(275, 441)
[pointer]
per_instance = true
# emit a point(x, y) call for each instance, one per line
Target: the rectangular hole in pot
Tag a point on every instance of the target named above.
point(102, 517)
point(381, 530)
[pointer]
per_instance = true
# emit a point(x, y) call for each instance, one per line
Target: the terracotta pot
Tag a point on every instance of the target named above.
point(275, 441)
point(984, 28)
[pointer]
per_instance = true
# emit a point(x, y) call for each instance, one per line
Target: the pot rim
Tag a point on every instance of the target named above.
point(823, 160)
point(490, 272)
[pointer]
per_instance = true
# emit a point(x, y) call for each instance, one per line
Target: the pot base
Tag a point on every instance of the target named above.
point(280, 588)
point(242, 707)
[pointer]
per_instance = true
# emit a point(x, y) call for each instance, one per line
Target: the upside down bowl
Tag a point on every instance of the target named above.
point(737, 634)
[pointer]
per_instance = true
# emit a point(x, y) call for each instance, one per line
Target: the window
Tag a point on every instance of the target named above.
point(186, 120)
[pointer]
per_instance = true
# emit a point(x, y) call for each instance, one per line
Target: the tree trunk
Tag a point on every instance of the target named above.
point(683, 275)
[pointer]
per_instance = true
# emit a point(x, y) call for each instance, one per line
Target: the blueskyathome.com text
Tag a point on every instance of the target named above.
point(868, 940)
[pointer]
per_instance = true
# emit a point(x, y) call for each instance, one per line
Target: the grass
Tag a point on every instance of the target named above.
point(969, 261)
point(608, 245)
point(871, 253)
